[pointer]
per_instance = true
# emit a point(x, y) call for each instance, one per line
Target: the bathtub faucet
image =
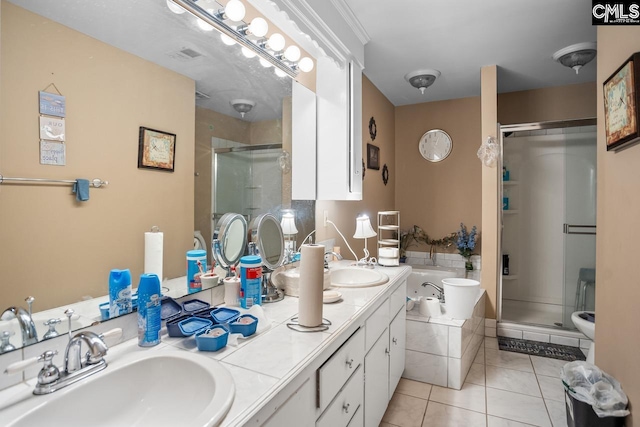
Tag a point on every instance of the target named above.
point(432, 253)
point(437, 288)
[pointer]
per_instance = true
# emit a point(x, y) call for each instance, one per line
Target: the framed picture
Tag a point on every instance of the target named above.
point(621, 102)
point(373, 157)
point(156, 149)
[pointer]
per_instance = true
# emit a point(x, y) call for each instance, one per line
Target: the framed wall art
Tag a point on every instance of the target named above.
point(373, 157)
point(621, 102)
point(156, 149)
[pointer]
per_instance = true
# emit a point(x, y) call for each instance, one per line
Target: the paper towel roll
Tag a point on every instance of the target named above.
point(153, 253)
point(311, 281)
point(388, 252)
point(231, 291)
point(430, 307)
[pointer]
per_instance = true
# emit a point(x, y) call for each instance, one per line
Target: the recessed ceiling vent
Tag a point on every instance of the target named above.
point(185, 54)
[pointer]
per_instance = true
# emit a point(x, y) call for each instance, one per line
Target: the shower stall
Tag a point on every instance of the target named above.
point(548, 217)
point(247, 179)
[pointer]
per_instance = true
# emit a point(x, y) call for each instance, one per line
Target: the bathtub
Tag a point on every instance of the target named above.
point(434, 274)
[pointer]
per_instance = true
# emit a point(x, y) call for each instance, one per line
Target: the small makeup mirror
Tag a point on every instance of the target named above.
point(266, 233)
point(229, 240)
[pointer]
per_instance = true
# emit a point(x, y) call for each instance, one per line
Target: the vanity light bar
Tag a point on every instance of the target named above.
point(191, 7)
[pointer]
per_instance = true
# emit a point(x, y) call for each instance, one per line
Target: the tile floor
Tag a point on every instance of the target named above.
point(502, 389)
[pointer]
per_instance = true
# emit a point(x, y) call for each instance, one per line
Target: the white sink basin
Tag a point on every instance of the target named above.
point(145, 388)
point(357, 277)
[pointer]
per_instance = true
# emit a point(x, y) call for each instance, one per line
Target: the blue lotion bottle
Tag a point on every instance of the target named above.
point(149, 322)
point(119, 293)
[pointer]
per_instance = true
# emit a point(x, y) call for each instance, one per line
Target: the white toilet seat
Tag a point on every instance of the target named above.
point(587, 328)
point(198, 241)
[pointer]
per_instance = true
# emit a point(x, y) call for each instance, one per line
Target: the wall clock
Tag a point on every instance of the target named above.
point(435, 145)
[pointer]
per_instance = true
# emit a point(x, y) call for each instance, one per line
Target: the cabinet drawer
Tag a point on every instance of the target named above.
point(358, 418)
point(376, 324)
point(398, 299)
point(337, 370)
point(346, 404)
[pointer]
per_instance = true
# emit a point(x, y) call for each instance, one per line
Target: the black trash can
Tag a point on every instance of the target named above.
point(581, 414)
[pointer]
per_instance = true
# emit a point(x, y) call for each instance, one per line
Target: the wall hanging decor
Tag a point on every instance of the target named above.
point(156, 149)
point(385, 174)
point(621, 103)
point(364, 169)
point(373, 157)
point(53, 109)
point(373, 129)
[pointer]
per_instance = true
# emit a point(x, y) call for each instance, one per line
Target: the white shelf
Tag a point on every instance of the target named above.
point(390, 242)
point(389, 227)
point(510, 277)
point(510, 211)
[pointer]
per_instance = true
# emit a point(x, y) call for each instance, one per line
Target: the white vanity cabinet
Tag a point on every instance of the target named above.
point(384, 362)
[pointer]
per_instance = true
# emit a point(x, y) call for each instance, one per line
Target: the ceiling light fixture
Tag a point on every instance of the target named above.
point(227, 40)
point(175, 8)
point(576, 56)
point(242, 106)
point(306, 64)
point(248, 53)
point(259, 26)
point(422, 79)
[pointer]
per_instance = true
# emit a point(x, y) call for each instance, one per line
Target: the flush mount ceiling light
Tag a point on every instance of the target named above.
point(242, 106)
point(422, 79)
point(576, 56)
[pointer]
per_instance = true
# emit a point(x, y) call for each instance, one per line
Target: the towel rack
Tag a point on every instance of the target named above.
point(97, 183)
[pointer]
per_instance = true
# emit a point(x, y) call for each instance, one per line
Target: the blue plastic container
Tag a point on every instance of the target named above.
point(250, 281)
point(149, 310)
point(173, 328)
point(193, 271)
point(169, 308)
point(194, 305)
point(193, 325)
point(246, 329)
point(207, 342)
point(224, 315)
point(119, 292)
point(104, 310)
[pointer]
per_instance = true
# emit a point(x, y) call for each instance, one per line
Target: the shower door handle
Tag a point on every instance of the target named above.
point(578, 229)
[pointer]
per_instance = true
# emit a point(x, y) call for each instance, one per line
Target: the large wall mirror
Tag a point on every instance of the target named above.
point(123, 64)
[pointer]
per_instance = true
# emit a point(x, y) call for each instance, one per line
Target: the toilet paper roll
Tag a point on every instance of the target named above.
point(232, 291)
point(153, 242)
point(311, 284)
point(388, 252)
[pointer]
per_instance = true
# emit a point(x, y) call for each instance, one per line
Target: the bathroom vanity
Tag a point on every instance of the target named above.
point(343, 376)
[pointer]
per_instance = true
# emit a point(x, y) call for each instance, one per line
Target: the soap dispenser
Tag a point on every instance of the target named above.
point(149, 322)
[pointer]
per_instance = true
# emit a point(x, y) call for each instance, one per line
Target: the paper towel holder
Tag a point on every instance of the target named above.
point(295, 325)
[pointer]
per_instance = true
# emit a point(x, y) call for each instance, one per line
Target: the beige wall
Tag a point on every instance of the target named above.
point(376, 196)
point(54, 248)
point(489, 108)
point(576, 101)
point(618, 293)
point(212, 124)
point(438, 196)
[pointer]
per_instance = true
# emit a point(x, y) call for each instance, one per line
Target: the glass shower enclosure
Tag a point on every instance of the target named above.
point(548, 223)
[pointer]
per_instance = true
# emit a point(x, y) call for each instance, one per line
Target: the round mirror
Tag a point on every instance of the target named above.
point(266, 233)
point(229, 239)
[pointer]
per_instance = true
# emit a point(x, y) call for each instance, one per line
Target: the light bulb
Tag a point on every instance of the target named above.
point(203, 25)
point(227, 40)
point(175, 8)
point(292, 53)
point(276, 42)
point(265, 63)
point(234, 10)
point(259, 27)
point(280, 73)
point(306, 64)
point(248, 53)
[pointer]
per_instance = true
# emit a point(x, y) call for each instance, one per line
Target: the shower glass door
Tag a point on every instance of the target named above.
point(579, 228)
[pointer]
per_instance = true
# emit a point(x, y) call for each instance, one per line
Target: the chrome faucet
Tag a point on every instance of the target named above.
point(27, 327)
point(335, 254)
point(437, 288)
point(97, 350)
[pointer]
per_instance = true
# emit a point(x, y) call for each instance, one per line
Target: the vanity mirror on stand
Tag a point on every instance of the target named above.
point(229, 241)
point(265, 233)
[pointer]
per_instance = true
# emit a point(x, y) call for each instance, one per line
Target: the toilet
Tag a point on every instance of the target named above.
point(588, 328)
point(198, 241)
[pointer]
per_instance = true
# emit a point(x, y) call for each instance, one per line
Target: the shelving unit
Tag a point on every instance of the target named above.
point(389, 238)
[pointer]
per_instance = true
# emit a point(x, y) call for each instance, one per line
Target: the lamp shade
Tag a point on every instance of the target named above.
point(363, 228)
point(288, 224)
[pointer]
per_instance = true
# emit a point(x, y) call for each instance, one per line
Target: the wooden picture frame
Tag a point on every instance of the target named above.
point(622, 105)
point(373, 157)
point(156, 149)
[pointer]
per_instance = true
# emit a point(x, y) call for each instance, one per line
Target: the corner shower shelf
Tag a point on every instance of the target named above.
point(510, 211)
point(509, 183)
point(510, 277)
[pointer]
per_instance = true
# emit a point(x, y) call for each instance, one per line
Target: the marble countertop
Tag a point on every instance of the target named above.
point(263, 364)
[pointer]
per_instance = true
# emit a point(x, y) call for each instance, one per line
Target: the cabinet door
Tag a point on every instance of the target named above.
point(300, 407)
point(303, 143)
point(397, 341)
point(376, 381)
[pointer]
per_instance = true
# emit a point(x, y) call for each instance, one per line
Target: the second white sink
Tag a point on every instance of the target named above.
point(145, 388)
point(357, 277)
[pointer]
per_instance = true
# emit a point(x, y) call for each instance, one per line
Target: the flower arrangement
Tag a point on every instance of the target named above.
point(466, 243)
point(407, 239)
